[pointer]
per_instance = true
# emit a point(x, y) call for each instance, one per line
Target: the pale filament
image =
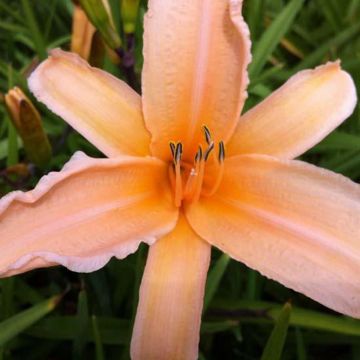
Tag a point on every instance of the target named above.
point(220, 171)
point(178, 185)
point(215, 186)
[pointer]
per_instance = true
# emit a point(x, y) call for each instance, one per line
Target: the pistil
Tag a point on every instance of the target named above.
point(193, 175)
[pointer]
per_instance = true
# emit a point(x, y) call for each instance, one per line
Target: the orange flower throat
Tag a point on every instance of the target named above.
point(187, 180)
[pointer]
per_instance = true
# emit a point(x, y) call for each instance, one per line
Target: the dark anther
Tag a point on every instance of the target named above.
point(178, 152)
point(207, 134)
point(199, 155)
point(221, 156)
point(208, 151)
point(172, 148)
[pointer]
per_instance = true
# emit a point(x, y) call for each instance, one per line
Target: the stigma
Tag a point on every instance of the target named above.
point(187, 180)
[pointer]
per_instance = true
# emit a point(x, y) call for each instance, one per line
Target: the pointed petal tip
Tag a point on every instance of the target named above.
point(104, 109)
point(298, 115)
point(54, 54)
point(352, 93)
point(58, 53)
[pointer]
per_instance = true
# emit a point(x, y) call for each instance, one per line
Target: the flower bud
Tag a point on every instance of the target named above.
point(27, 122)
point(98, 13)
point(129, 13)
point(82, 33)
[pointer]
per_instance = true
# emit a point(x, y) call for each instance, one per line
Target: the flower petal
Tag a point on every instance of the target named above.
point(293, 222)
point(298, 115)
point(101, 107)
point(167, 323)
point(195, 59)
point(90, 211)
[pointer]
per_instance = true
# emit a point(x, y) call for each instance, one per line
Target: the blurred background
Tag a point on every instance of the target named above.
point(56, 314)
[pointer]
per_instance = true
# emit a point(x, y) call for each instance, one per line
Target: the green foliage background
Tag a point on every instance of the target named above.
point(93, 318)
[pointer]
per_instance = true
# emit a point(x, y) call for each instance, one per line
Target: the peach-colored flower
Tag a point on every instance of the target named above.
point(292, 221)
point(82, 33)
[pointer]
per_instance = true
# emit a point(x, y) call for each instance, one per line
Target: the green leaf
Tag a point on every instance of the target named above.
point(34, 29)
point(331, 14)
point(267, 312)
point(255, 11)
point(214, 278)
point(317, 56)
point(99, 350)
point(276, 341)
point(18, 323)
point(300, 345)
point(218, 326)
point(338, 140)
point(113, 331)
point(273, 35)
point(82, 325)
point(98, 15)
point(251, 284)
point(7, 297)
point(129, 13)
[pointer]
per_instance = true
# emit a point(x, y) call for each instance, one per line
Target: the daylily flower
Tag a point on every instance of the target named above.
point(186, 172)
point(82, 33)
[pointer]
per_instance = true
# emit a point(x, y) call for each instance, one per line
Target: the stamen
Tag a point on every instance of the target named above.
point(178, 178)
point(221, 156)
point(178, 153)
point(199, 155)
point(207, 134)
point(194, 174)
point(220, 173)
point(172, 148)
point(208, 151)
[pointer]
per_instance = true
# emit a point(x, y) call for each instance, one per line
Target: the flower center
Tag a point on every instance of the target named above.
point(187, 180)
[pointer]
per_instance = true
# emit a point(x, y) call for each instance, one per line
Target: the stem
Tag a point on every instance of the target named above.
point(127, 58)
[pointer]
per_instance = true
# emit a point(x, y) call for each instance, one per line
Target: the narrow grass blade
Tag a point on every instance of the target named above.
point(318, 55)
point(273, 35)
point(214, 327)
point(113, 331)
point(34, 29)
point(266, 312)
point(255, 11)
point(82, 325)
point(99, 350)
point(353, 7)
point(7, 9)
point(276, 341)
point(7, 296)
point(338, 140)
point(331, 14)
point(18, 323)
point(214, 278)
point(300, 345)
